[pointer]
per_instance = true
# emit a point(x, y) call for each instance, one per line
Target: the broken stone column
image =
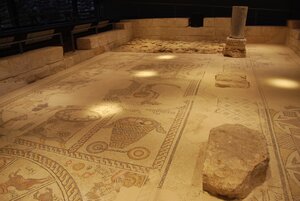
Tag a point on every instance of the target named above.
point(236, 161)
point(236, 42)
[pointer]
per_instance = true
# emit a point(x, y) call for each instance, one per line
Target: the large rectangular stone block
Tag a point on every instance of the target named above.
point(194, 38)
point(295, 33)
point(54, 54)
point(170, 22)
point(124, 25)
point(142, 23)
point(199, 31)
point(275, 35)
point(170, 32)
point(217, 22)
point(223, 22)
point(86, 43)
point(252, 31)
point(86, 54)
point(11, 84)
point(18, 64)
point(159, 22)
point(22, 63)
point(38, 58)
point(256, 39)
point(293, 24)
point(4, 69)
point(222, 32)
point(209, 22)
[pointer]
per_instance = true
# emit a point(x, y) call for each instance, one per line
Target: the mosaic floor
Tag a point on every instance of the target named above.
point(134, 126)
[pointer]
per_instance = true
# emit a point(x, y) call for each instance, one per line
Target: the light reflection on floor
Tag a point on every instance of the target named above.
point(283, 83)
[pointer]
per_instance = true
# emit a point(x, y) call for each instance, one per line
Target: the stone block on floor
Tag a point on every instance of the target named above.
point(231, 80)
point(236, 162)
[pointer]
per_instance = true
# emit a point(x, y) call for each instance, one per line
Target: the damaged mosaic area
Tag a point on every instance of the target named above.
point(171, 46)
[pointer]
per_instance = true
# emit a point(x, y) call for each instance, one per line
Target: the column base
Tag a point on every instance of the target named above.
point(235, 48)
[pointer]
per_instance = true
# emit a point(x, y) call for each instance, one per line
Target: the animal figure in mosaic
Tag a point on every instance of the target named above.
point(114, 95)
point(107, 190)
point(46, 196)
point(149, 94)
point(131, 129)
point(17, 118)
point(289, 121)
point(19, 182)
point(63, 125)
point(146, 92)
point(7, 126)
point(127, 179)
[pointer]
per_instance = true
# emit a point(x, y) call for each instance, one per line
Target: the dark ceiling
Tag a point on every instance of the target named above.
point(261, 12)
point(21, 16)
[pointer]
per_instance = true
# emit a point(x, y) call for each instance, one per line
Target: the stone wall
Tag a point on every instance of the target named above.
point(121, 34)
point(293, 38)
point(22, 69)
point(19, 70)
point(213, 29)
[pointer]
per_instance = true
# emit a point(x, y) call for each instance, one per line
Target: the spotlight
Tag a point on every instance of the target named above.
point(145, 73)
point(107, 109)
point(283, 83)
point(166, 57)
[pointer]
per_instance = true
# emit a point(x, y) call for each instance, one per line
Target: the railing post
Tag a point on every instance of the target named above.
point(61, 39)
point(255, 17)
point(73, 42)
point(175, 11)
point(21, 47)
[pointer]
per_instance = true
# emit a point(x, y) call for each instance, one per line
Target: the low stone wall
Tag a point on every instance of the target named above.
point(19, 70)
point(293, 38)
point(22, 69)
point(107, 40)
point(213, 29)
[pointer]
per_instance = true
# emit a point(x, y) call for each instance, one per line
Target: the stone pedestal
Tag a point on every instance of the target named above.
point(236, 42)
point(235, 48)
